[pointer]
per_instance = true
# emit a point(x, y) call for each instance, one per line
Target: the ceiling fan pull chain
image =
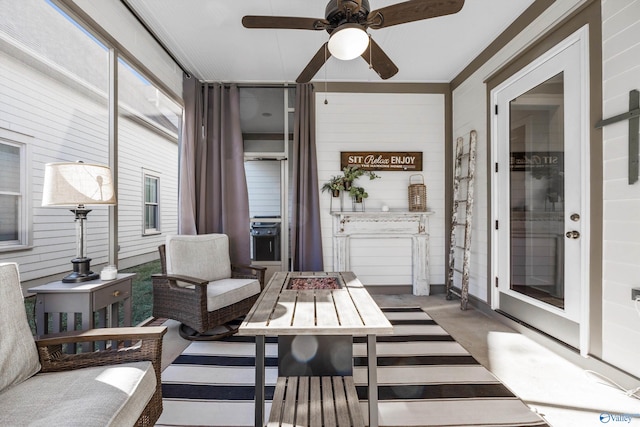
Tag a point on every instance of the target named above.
point(370, 54)
point(325, 74)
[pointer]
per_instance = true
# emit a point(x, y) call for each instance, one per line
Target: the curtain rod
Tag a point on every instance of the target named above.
point(256, 85)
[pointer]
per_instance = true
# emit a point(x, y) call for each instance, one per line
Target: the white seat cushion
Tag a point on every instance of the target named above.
point(113, 395)
point(222, 293)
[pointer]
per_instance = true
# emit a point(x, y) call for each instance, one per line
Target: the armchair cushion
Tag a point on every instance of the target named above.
point(205, 256)
point(113, 395)
point(18, 354)
point(224, 292)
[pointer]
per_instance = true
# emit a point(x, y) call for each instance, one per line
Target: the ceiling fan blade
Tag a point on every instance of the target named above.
point(379, 61)
point(314, 65)
point(412, 10)
point(284, 22)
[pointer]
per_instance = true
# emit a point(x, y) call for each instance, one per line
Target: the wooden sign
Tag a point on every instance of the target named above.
point(398, 161)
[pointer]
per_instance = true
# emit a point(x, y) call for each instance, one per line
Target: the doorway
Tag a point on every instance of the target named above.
point(267, 119)
point(540, 194)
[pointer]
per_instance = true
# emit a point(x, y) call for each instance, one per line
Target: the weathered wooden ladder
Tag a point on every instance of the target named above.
point(458, 278)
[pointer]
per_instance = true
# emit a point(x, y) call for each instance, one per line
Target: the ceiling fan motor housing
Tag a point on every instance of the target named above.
point(337, 12)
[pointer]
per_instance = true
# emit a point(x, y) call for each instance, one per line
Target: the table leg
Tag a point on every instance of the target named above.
point(88, 322)
point(56, 323)
point(260, 380)
point(102, 323)
point(372, 369)
point(102, 319)
point(127, 312)
point(41, 317)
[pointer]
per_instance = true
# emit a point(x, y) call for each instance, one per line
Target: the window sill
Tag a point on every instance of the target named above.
point(15, 248)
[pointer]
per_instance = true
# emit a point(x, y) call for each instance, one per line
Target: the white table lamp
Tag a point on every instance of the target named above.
point(78, 185)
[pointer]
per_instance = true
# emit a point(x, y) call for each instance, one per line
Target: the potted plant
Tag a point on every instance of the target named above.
point(334, 186)
point(351, 173)
point(358, 193)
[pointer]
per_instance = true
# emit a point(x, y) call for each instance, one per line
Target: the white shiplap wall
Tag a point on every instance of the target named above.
point(263, 185)
point(384, 122)
point(621, 250)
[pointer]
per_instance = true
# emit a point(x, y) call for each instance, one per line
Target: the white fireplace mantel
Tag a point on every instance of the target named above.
point(385, 225)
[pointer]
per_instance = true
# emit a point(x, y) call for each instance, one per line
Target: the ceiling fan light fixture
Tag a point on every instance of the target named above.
point(348, 41)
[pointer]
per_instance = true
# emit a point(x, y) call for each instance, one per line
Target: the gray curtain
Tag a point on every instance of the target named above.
point(213, 187)
point(191, 130)
point(306, 240)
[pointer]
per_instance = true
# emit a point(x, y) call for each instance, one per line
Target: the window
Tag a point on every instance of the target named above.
point(14, 212)
point(143, 102)
point(54, 87)
point(151, 204)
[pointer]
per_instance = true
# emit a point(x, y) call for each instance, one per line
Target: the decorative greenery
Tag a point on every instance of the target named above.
point(334, 185)
point(345, 182)
point(358, 193)
point(372, 175)
point(351, 173)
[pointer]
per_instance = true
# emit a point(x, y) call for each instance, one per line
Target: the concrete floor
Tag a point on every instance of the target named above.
point(555, 383)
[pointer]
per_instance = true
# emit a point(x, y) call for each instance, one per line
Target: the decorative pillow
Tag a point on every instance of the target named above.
point(18, 354)
point(205, 256)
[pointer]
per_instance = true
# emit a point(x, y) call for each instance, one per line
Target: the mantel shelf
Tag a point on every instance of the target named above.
point(393, 224)
point(390, 213)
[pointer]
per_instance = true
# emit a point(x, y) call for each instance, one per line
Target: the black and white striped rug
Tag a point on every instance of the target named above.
point(425, 379)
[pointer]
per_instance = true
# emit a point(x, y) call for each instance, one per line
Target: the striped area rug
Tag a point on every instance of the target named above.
point(425, 379)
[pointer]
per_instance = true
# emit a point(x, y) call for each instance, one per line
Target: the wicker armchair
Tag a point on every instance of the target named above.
point(41, 385)
point(200, 288)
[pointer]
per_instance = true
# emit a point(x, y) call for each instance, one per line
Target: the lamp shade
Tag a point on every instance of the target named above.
point(77, 183)
point(348, 41)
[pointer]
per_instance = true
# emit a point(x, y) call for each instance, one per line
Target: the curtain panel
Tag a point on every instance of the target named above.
point(213, 195)
point(306, 239)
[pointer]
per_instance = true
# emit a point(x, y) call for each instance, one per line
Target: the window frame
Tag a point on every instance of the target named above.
point(25, 217)
point(158, 229)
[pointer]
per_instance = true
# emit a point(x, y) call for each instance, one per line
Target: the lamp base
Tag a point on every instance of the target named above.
point(81, 271)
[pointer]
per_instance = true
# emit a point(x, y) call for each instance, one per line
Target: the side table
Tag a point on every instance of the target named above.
point(85, 298)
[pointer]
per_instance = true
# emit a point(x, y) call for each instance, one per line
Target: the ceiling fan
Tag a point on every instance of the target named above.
point(346, 21)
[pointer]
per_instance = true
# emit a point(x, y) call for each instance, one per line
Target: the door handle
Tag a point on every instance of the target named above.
point(573, 234)
point(575, 217)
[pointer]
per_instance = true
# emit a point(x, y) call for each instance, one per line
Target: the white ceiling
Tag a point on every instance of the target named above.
point(209, 41)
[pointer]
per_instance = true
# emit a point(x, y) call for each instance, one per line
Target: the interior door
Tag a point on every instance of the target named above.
point(540, 195)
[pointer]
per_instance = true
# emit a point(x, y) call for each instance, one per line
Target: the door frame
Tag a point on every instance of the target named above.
point(581, 38)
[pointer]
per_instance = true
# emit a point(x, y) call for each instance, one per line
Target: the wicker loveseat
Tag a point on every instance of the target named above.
point(42, 386)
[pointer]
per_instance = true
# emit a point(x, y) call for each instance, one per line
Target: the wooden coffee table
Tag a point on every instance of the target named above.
point(348, 310)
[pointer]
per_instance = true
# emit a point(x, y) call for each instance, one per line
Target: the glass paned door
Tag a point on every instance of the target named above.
point(540, 193)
